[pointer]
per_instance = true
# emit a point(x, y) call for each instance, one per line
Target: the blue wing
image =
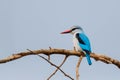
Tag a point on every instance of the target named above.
point(83, 41)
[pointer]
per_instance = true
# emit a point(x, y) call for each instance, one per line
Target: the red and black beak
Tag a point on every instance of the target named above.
point(65, 32)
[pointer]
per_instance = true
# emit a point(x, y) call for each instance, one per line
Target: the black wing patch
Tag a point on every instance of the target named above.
point(87, 52)
point(79, 39)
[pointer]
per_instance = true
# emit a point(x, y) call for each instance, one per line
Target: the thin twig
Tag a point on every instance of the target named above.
point(58, 67)
point(49, 54)
point(77, 67)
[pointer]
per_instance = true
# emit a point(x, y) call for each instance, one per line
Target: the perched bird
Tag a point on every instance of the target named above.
point(81, 41)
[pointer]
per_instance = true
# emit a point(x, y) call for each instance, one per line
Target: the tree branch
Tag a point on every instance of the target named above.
point(97, 57)
point(58, 68)
point(77, 67)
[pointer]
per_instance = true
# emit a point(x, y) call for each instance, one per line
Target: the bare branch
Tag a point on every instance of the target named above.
point(58, 67)
point(97, 57)
point(77, 67)
point(49, 54)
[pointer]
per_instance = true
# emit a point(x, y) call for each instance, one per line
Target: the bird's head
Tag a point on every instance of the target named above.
point(73, 29)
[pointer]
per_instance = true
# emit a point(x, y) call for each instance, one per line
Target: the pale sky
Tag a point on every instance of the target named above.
point(36, 24)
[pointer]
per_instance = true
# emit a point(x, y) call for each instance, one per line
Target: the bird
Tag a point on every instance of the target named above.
point(80, 40)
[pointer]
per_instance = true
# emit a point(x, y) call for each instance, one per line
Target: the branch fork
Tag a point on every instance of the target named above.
point(51, 51)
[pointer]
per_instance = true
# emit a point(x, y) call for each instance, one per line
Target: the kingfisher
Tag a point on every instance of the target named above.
point(80, 41)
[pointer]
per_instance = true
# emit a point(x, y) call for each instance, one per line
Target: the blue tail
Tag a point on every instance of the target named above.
point(88, 59)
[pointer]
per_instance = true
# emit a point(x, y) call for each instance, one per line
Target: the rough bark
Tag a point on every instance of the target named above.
point(97, 57)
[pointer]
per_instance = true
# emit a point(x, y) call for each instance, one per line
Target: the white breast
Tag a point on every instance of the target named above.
point(76, 43)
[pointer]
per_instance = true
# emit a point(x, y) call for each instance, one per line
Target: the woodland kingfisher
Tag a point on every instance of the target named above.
point(81, 41)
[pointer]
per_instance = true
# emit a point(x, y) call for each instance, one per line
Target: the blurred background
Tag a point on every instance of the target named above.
point(36, 24)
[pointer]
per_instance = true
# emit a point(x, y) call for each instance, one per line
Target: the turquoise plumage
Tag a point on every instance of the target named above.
point(84, 44)
point(81, 41)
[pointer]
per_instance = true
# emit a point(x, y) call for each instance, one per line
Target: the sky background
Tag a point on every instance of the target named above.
point(36, 24)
